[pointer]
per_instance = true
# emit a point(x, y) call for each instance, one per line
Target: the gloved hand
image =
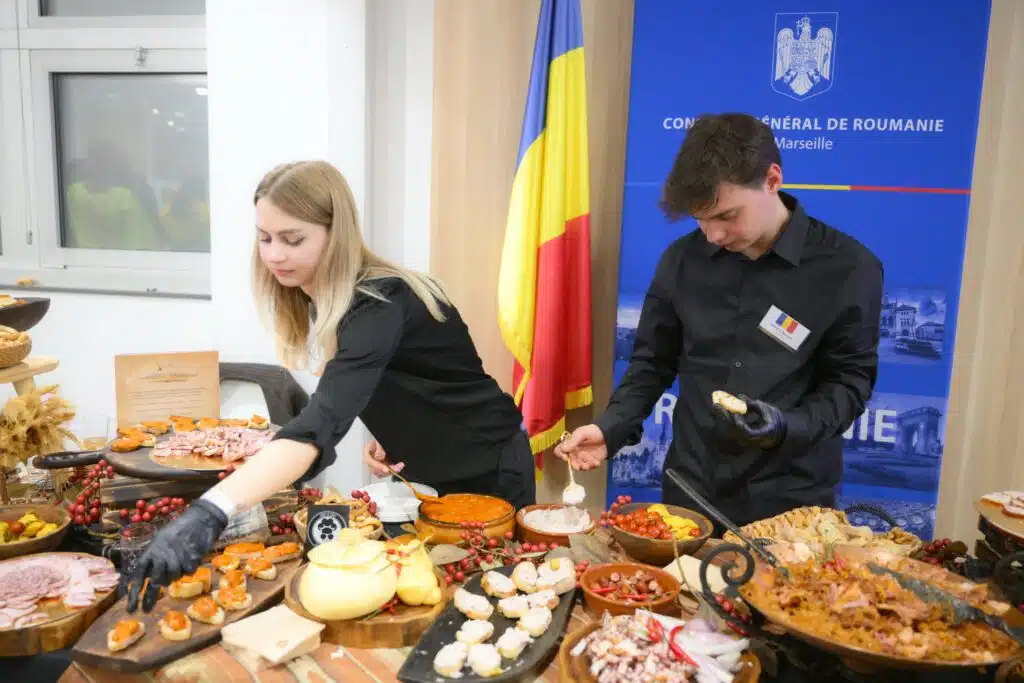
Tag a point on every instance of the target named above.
point(176, 549)
point(763, 425)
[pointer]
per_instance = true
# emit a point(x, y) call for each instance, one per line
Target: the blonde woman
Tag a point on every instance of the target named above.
point(400, 358)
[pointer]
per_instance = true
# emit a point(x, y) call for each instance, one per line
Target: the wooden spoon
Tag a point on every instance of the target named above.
point(419, 496)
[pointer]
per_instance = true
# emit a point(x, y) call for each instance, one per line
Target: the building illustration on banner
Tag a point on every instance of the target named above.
point(804, 57)
point(913, 327)
point(895, 446)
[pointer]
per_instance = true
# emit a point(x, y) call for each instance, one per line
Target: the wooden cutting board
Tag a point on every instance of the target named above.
point(63, 628)
point(401, 629)
point(153, 651)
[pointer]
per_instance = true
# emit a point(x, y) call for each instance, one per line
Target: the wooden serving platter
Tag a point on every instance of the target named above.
point(153, 651)
point(576, 668)
point(401, 629)
point(141, 465)
point(419, 665)
point(64, 626)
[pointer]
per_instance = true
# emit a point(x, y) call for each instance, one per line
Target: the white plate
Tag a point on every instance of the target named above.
point(395, 502)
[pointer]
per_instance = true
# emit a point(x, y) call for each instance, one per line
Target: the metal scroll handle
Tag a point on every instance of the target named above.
point(714, 512)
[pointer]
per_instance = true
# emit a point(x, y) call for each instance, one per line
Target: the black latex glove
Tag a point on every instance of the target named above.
point(176, 549)
point(763, 425)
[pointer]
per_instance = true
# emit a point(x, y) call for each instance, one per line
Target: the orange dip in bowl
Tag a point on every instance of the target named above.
point(456, 508)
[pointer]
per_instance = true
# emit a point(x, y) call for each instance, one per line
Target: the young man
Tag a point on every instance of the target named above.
point(762, 301)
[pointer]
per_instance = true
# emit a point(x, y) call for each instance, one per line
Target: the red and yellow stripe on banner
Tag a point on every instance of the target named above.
point(544, 282)
point(876, 188)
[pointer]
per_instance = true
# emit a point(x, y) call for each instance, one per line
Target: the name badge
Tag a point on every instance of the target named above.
point(783, 329)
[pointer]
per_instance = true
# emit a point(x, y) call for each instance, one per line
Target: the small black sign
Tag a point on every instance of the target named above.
point(324, 523)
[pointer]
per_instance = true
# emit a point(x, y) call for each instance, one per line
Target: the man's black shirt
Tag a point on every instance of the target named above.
point(416, 383)
point(700, 320)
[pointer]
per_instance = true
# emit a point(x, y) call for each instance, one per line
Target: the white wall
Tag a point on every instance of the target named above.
point(348, 81)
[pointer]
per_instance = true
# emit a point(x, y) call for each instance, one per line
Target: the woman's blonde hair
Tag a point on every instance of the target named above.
point(316, 192)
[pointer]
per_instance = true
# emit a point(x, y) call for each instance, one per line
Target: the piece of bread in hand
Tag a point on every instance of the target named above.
point(732, 404)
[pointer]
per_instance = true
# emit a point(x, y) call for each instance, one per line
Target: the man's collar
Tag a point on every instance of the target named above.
point(790, 244)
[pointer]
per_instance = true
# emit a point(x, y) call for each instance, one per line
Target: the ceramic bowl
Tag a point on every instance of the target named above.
point(658, 552)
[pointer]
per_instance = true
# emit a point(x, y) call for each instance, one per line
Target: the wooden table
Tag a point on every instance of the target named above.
point(328, 664)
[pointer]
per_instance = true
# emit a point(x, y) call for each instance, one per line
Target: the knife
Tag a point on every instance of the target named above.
point(960, 610)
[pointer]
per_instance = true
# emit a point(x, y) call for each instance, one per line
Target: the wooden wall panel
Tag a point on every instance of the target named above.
point(483, 50)
point(984, 449)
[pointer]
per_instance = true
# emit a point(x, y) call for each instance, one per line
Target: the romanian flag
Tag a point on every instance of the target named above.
point(787, 323)
point(544, 283)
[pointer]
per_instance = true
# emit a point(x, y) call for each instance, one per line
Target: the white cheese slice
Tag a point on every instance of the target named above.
point(691, 570)
point(278, 635)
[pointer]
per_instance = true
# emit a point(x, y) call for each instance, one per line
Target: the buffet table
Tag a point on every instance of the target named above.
point(333, 664)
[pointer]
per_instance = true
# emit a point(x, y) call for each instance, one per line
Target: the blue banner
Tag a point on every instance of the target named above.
point(875, 109)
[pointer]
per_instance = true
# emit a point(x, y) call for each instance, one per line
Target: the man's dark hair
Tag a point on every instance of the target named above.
point(720, 148)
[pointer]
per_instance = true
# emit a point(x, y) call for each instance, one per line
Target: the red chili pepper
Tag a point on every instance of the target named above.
point(655, 630)
point(678, 651)
point(603, 591)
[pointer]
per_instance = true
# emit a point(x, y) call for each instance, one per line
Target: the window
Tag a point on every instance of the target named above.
point(104, 164)
point(120, 8)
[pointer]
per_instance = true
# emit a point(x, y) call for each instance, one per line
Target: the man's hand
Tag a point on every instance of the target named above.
point(763, 425)
point(376, 460)
point(176, 549)
point(585, 449)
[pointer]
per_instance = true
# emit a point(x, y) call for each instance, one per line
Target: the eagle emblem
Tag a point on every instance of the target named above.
point(804, 54)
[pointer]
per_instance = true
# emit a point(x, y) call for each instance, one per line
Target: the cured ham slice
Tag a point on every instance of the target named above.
point(228, 443)
point(73, 579)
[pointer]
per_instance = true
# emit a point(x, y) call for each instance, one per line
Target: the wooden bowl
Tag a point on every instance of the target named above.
point(599, 604)
point(12, 354)
point(576, 668)
point(25, 315)
point(47, 513)
point(658, 552)
point(529, 534)
point(451, 532)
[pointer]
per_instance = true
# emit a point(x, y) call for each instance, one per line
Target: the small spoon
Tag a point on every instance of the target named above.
point(573, 494)
point(420, 496)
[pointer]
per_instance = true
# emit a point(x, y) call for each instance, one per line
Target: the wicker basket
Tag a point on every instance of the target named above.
point(12, 354)
point(801, 518)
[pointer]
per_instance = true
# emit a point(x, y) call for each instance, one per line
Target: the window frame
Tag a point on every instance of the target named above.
point(30, 17)
point(14, 223)
point(30, 56)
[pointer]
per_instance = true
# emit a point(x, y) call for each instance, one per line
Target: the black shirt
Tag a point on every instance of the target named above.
point(700, 320)
point(416, 383)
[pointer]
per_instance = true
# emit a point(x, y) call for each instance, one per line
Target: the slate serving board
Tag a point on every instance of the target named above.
point(419, 665)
